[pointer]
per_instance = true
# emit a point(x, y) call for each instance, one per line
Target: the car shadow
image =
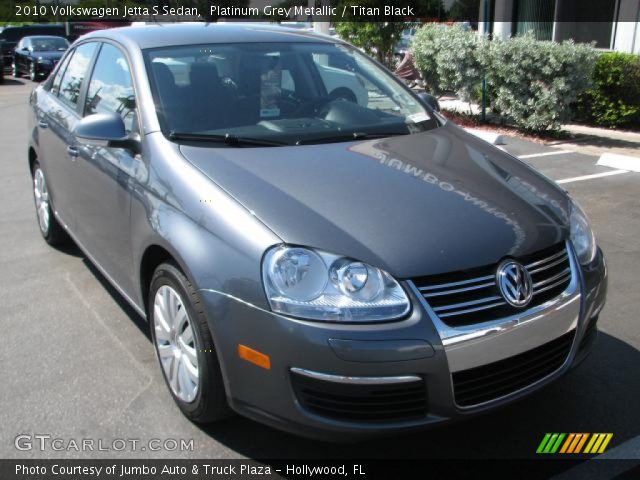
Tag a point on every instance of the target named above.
point(134, 316)
point(10, 81)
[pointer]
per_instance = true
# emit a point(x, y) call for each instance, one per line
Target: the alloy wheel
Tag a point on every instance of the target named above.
point(176, 343)
point(42, 200)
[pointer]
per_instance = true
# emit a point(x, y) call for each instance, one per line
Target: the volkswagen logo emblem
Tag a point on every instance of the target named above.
point(515, 283)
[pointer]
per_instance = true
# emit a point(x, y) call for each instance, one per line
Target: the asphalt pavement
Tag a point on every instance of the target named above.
point(77, 362)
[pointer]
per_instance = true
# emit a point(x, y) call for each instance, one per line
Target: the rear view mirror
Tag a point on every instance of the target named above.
point(430, 101)
point(105, 130)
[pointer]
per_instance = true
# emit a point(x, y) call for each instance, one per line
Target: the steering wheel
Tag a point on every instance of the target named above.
point(288, 102)
point(317, 107)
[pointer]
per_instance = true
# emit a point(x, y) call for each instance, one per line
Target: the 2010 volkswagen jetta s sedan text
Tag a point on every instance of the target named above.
point(312, 245)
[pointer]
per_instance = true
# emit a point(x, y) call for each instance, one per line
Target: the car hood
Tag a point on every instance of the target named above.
point(414, 205)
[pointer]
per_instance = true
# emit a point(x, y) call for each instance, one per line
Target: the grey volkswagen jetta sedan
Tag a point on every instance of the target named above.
point(312, 246)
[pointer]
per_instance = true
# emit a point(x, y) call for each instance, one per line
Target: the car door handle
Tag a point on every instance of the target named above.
point(73, 151)
point(43, 124)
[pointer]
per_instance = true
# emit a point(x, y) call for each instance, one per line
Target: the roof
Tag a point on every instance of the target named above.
point(164, 35)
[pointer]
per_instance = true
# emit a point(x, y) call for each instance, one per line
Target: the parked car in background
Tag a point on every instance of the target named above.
point(37, 56)
point(10, 36)
point(325, 266)
point(1, 69)
point(403, 45)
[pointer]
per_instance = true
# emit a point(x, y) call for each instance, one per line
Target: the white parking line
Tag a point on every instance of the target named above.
point(545, 154)
point(620, 162)
point(589, 177)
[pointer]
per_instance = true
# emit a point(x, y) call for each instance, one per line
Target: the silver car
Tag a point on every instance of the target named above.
point(312, 245)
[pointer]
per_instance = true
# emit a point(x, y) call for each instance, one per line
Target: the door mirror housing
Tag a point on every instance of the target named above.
point(105, 130)
point(430, 101)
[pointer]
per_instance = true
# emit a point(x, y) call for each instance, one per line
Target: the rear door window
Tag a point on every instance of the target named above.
point(55, 84)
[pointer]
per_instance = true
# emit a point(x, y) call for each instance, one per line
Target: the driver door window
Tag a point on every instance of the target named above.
point(111, 87)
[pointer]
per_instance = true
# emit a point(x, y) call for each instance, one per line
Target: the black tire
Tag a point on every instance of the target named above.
point(55, 233)
point(14, 70)
point(210, 402)
point(33, 75)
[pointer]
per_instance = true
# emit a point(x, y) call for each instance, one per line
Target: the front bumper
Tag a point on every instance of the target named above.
point(44, 69)
point(417, 348)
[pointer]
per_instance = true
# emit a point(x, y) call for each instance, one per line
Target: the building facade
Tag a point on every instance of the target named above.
point(611, 24)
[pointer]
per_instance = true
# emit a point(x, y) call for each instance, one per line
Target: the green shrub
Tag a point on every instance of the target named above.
point(450, 59)
point(614, 99)
point(535, 82)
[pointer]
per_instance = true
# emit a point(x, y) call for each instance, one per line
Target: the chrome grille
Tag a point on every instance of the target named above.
point(472, 296)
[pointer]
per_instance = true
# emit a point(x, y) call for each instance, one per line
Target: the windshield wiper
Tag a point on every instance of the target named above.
point(346, 137)
point(227, 139)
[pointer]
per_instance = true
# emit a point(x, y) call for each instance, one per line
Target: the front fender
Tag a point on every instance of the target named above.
point(217, 242)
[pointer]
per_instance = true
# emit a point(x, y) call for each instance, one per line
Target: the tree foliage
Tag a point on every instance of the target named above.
point(376, 39)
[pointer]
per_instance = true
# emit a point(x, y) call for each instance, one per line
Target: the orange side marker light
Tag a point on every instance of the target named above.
point(253, 356)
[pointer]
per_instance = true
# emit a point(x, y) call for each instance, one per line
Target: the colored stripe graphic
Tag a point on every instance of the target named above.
point(550, 443)
point(567, 443)
point(581, 443)
point(605, 443)
point(591, 442)
point(543, 443)
point(555, 447)
point(573, 443)
point(598, 443)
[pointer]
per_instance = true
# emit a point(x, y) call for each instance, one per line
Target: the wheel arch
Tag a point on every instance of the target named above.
point(33, 157)
point(153, 256)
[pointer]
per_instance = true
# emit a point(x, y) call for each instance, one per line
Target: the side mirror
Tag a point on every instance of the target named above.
point(105, 130)
point(430, 101)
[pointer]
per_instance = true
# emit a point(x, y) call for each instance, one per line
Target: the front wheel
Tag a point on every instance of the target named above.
point(184, 346)
point(51, 230)
point(33, 75)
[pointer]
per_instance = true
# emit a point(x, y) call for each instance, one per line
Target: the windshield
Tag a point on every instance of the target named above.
point(283, 93)
point(43, 44)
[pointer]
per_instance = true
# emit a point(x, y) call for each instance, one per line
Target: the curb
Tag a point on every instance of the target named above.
point(489, 137)
point(619, 162)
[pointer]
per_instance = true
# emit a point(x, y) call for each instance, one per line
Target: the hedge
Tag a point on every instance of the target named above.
point(614, 98)
point(532, 83)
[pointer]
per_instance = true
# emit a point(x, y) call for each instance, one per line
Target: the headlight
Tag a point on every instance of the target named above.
point(316, 285)
point(582, 237)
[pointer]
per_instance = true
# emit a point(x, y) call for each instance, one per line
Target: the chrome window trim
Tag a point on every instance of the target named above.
point(356, 380)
